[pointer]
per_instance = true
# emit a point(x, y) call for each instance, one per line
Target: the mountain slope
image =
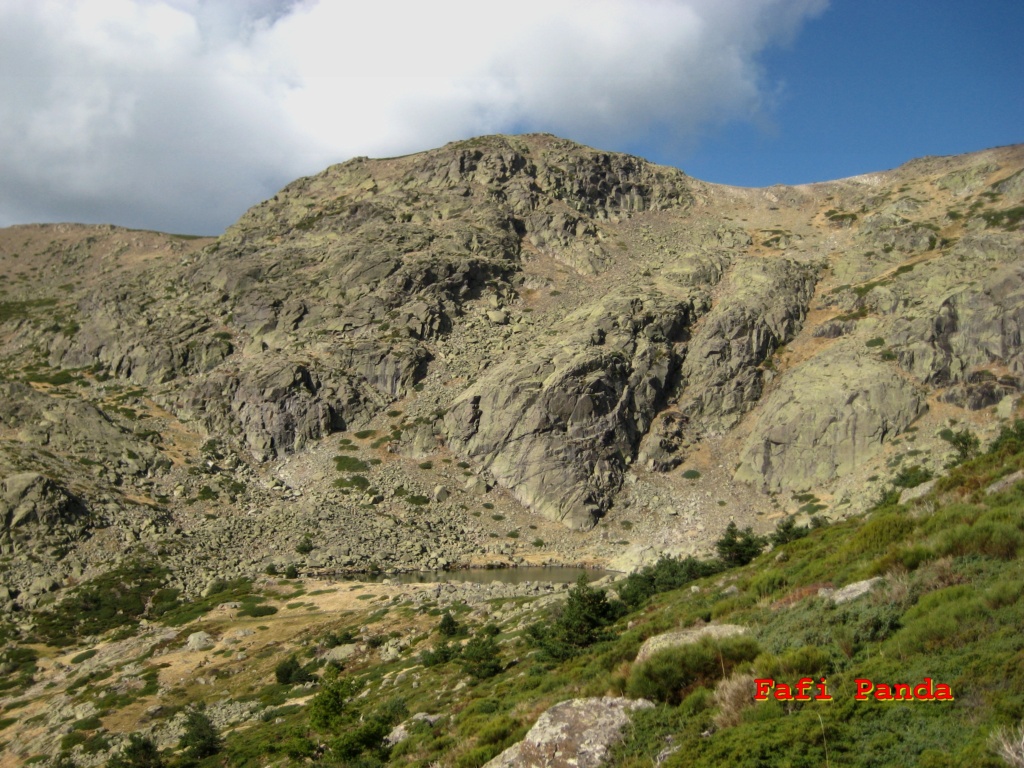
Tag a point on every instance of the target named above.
point(578, 337)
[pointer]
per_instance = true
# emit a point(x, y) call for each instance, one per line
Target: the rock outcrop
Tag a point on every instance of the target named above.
point(827, 417)
point(33, 507)
point(556, 430)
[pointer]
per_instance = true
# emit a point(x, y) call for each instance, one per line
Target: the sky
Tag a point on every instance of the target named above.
point(177, 115)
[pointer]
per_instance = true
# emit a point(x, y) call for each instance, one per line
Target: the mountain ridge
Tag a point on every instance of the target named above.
point(582, 329)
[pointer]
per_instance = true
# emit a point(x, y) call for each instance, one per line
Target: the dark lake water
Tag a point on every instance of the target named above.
point(549, 574)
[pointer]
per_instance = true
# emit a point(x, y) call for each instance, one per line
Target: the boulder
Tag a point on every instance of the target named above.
point(31, 505)
point(909, 494)
point(200, 641)
point(1003, 483)
point(689, 636)
point(850, 591)
point(574, 734)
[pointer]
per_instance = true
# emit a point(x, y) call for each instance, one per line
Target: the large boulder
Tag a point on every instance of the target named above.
point(32, 504)
point(689, 636)
point(574, 734)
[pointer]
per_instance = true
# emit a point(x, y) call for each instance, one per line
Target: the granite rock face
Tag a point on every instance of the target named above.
point(556, 429)
point(826, 418)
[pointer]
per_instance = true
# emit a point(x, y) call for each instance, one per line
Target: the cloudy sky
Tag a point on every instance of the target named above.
point(179, 114)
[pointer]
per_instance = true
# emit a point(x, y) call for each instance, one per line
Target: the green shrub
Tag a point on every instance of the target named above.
point(442, 653)
point(481, 657)
point(667, 574)
point(358, 482)
point(989, 538)
point(290, 672)
point(206, 493)
point(1004, 593)
point(691, 474)
point(329, 706)
point(670, 674)
point(113, 600)
point(946, 618)
point(582, 622)
point(83, 656)
point(256, 611)
point(1010, 440)
point(879, 533)
point(787, 530)
point(140, 752)
point(449, 627)
point(806, 661)
point(964, 442)
point(767, 583)
point(911, 477)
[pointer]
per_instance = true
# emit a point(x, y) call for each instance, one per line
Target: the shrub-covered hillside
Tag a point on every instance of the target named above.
point(466, 679)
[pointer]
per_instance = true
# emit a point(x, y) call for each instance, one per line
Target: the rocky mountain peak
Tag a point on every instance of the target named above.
point(587, 337)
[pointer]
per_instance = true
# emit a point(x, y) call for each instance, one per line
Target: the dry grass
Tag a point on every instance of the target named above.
point(732, 696)
point(1008, 743)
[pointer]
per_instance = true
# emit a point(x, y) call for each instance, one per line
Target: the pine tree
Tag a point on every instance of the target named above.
point(481, 656)
point(448, 627)
point(140, 752)
point(200, 738)
point(581, 623)
point(737, 547)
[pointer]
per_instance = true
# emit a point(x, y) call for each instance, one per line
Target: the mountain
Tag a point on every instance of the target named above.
point(606, 353)
point(517, 350)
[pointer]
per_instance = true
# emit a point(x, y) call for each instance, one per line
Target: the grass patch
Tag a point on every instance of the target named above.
point(344, 463)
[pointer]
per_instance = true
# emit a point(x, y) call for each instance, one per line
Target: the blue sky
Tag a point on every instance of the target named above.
point(179, 114)
point(871, 84)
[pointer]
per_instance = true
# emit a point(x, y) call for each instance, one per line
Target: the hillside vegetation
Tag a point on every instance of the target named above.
point(949, 606)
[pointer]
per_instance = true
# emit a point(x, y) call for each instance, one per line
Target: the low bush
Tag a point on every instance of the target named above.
point(291, 672)
point(671, 673)
point(666, 574)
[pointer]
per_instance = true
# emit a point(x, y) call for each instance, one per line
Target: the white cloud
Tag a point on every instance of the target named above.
point(177, 114)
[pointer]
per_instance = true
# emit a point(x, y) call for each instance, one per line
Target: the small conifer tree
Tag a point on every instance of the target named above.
point(200, 738)
point(448, 627)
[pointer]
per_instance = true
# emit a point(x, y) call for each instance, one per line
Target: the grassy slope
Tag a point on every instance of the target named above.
point(951, 608)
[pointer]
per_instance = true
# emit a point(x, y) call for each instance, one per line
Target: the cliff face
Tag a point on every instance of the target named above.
point(583, 335)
